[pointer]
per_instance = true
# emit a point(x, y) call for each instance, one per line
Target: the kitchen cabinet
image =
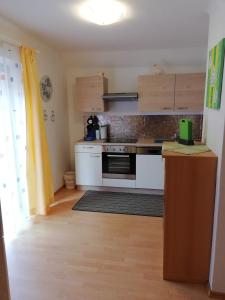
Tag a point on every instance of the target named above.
point(171, 92)
point(188, 215)
point(149, 172)
point(189, 92)
point(89, 92)
point(156, 93)
point(4, 285)
point(88, 165)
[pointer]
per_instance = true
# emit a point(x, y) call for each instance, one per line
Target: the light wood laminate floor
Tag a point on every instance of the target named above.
point(92, 256)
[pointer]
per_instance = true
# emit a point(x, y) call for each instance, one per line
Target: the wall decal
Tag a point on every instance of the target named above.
point(52, 116)
point(46, 88)
point(45, 114)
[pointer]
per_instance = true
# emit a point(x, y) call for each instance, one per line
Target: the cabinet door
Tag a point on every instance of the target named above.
point(188, 216)
point(89, 92)
point(149, 172)
point(88, 169)
point(156, 93)
point(189, 92)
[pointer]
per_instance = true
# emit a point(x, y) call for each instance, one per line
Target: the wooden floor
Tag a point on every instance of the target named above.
point(92, 256)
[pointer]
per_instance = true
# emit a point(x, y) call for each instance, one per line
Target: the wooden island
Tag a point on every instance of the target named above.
point(190, 182)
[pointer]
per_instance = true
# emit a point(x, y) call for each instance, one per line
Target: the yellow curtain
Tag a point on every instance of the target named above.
point(39, 176)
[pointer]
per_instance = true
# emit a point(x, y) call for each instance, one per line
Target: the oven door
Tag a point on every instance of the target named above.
point(119, 165)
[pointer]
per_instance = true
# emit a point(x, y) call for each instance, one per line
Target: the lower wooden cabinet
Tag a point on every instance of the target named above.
point(188, 220)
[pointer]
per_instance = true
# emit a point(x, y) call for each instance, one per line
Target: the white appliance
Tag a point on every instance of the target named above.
point(150, 168)
point(103, 132)
point(119, 163)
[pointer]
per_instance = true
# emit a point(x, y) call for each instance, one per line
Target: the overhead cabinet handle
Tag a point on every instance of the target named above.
point(182, 108)
point(167, 108)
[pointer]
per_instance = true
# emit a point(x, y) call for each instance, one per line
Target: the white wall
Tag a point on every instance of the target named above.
point(214, 133)
point(49, 63)
point(121, 79)
point(170, 58)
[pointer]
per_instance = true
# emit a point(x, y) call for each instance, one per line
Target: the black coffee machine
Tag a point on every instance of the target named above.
point(92, 126)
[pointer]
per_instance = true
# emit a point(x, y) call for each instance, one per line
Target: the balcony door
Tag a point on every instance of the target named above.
point(4, 285)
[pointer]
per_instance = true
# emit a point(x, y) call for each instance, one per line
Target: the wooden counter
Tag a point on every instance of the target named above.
point(208, 154)
point(189, 206)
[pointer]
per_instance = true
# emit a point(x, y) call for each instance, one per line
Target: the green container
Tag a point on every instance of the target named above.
point(185, 130)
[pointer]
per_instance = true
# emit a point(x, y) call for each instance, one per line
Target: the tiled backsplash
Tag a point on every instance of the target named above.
point(143, 126)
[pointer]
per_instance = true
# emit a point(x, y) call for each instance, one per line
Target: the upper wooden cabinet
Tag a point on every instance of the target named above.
point(189, 92)
point(89, 92)
point(156, 92)
point(170, 92)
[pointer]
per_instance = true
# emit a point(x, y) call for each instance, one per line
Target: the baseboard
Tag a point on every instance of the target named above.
point(66, 195)
point(116, 189)
point(59, 189)
point(216, 295)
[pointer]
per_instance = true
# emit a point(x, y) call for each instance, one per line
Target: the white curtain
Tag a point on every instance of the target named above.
point(13, 185)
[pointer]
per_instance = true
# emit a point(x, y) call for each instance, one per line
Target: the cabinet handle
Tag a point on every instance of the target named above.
point(166, 108)
point(95, 155)
point(182, 108)
point(115, 155)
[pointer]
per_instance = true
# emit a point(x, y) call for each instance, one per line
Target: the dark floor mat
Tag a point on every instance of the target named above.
point(121, 203)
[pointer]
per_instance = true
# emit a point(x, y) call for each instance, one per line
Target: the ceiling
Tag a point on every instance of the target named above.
point(149, 24)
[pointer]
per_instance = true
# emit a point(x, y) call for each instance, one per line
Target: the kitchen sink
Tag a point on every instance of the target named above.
point(161, 140)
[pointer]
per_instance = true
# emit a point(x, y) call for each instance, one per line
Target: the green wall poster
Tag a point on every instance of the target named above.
point(215, 75)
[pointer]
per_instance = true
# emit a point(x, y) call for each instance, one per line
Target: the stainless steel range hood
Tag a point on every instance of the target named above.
point(120, 97)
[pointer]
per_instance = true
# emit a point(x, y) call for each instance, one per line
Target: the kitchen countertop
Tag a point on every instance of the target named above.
point(140, 143)
point(169, 153)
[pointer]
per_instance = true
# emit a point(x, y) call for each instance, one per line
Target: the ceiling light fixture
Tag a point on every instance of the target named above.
point(102, 12)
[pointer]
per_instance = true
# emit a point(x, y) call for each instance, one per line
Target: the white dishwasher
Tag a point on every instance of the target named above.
point(149, 168)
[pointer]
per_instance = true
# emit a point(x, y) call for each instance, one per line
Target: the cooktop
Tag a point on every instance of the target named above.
point(122, 140)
